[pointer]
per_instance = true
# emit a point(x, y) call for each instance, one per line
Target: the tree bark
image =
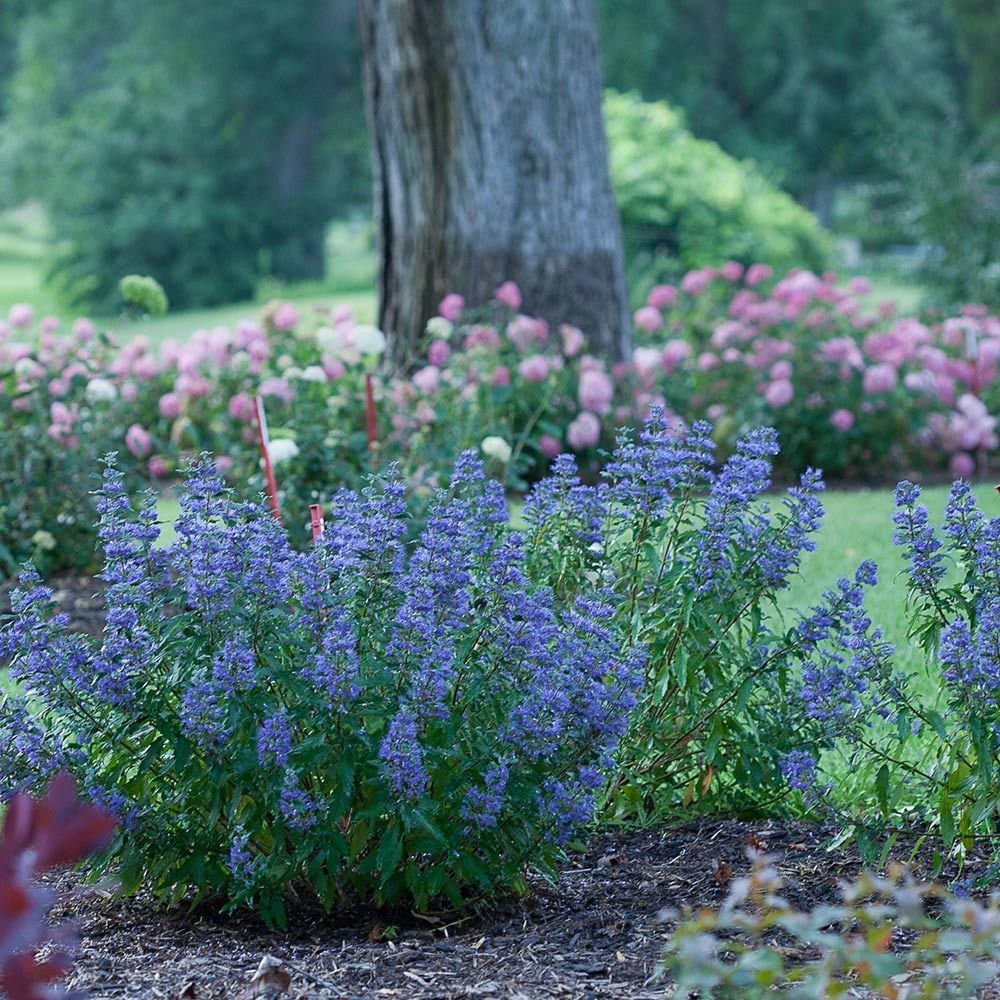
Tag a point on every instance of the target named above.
point(490, 163)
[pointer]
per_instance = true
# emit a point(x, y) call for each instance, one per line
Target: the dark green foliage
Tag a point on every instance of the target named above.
point(805, 87)
point(954, 180)
point(978, 24)
point(685, 200)
point(203, 144)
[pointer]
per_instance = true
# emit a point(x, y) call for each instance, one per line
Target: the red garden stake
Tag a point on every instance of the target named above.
point(265, 454)
point(316, 520)
point(370, 416)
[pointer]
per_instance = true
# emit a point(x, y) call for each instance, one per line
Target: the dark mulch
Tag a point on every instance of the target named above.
point(596, 933)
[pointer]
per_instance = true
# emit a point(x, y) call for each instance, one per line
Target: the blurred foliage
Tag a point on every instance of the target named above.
point(978, 23)
point(204, 144)
point(952, 181)
point(805, 87)
point(209, 144)
point(685, 203)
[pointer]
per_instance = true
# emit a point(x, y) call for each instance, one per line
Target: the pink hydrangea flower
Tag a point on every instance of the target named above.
point(241, 407)
point(83, 330)
point(21, 314)
point(647, 360)
point(695, 282)
point(279, 387)
point(129, 391)
point(572, 340)
point(439, 352)
point(962, 465)
point(781, 370)
point(595, 391)
point(138, 441)
point(842, 419)
point(859, 286)
point(674, 352)
point(584, 431)
point(333, 367)
point(647, 318)
point(170, 405)
point(482, 336)
point(779, 392)
point(534, 368)
point(550, 446)
point(526, 331)
point(500, 376)
point(508, 294)
point(880, 378)
point(158, 466)
point(451, 307)
point(427, 379)
point(756, 273)
point(285, 316)
point(732, 270)
point(661, 296)
point(49, 324)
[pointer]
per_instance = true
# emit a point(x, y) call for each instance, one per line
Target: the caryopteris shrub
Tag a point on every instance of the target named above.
point(403, 723)
point(693, 557)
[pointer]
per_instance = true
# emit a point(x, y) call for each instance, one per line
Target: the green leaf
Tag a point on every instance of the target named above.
point(882, 789)
point(389, 854)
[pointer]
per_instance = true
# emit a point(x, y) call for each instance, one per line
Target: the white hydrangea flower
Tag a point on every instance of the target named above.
point(25, 367)
point(44, 540)
point(312, 373)
point(100, 390)
point(282, 450)
point(440, 328)
point(368, 339)
point(496, 447)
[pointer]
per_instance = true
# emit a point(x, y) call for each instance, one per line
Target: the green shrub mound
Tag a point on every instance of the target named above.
point(684, 198)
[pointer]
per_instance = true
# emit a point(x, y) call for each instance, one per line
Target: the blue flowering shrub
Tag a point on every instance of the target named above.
point(404, 723)
point(926, 745)
point(692, 557)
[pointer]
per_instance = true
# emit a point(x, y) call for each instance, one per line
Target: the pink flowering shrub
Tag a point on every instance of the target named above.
point(853, 389)
point(860, 392)
point(62, 405)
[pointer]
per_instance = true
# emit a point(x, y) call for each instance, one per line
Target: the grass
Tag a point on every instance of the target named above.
point(907, 295)
point(25, 250)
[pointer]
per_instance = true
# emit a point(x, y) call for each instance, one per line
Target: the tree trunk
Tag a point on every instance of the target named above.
point(490, 163)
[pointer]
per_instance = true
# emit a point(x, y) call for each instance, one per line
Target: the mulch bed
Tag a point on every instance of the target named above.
point(598, 932)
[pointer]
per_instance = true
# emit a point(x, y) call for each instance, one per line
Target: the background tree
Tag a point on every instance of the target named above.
point(202, 143)
point(978, 23)
point(805, 87)
point(490, 162)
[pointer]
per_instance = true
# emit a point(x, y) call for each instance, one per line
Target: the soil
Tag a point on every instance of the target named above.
point(599, 931)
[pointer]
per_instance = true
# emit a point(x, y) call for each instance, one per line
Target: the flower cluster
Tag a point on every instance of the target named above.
point(851, 389)
point(854, 390)
point(693, 557)
point(407, 720)
point(927, 741)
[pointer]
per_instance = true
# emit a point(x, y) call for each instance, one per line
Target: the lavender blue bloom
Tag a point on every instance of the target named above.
point(403, 757)
point(915, 535)
point(799, 769)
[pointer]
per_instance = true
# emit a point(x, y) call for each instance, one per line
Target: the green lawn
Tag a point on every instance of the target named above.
point(25, 251)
